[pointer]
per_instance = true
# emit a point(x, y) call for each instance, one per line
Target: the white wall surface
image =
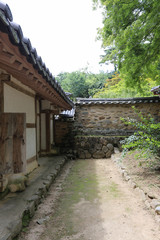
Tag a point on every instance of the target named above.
point(30, 142)
point(16, 101)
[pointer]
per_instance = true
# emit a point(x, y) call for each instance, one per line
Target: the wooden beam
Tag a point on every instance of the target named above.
point(5, 77)
point(1, 97)
point(30, 125)
point(48, 143)
point(19, 88)
point(24, 71)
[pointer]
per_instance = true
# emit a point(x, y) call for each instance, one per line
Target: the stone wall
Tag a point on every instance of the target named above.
point(96, 146)
point(106, 119)
point(64, 133)
point(98, 127)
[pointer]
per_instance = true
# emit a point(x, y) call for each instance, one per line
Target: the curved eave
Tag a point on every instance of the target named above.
point(17, 65)
point(19, 58)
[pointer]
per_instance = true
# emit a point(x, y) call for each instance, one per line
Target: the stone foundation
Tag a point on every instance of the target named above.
point(96, 147)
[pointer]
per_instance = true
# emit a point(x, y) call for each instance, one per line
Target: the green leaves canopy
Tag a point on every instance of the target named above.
point(131, 29)
point(82, 83)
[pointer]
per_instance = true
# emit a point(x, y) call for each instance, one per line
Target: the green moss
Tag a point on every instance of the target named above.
point(114, 191)
point(101, 136)
point(80, 184)
point(25, 221)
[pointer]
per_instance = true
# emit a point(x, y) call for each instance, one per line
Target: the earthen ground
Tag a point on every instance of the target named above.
point(91, 201)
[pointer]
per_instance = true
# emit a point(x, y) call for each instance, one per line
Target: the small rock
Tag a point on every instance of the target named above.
point(157, 210)
point(42, 220)
point(143, 196)
point(110, 146)
point(127, 178)
point(125, 174)
point(17, 182)
point(116, 150)
point(154, 203)
point(134, 185)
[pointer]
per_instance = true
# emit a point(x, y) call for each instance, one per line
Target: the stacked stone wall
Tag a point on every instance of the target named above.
point(96, 147)
point(106, 119)
point(64, 134)
point(98, 128)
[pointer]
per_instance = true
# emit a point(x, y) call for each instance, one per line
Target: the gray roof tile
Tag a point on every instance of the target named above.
point(93, 101)
point(16, 37)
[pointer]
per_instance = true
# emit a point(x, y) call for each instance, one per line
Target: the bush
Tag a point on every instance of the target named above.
point(146, 138)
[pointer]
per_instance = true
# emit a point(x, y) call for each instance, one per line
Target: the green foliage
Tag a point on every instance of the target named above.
point(146, 138)
point(82, 83)
point(130, 35)
point(115, 87)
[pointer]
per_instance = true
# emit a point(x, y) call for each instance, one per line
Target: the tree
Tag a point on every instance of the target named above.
point(82, 83)
point(115, 87)
point(131, 32)
point(74, 83)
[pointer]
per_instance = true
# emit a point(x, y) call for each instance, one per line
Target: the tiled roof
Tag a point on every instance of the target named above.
point(16, 37)
point(156, 90)
point(94, 101)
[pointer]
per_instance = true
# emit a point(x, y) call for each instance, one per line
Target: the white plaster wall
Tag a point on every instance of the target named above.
point(18, 102)
point(43, 131)
point(45, 104)
point(30, 142)
point(38, 133)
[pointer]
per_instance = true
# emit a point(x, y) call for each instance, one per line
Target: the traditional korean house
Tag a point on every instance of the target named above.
point(29, 98)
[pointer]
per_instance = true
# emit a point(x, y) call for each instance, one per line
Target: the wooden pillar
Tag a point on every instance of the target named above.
point(1, 97)
point(54, 129)
point(3, 78)
point(19, 142)
point(48, 137)
point(6, 150)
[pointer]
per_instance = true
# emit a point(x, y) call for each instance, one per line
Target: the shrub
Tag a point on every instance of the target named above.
point(146, 138)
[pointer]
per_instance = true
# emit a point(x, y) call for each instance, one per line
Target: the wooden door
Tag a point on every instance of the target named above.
point(12, 143)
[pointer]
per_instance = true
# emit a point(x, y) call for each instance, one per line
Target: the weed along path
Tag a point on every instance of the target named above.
point(90, 201)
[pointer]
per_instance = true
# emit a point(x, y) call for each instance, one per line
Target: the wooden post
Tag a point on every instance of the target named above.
point(48, 142)
point(19, 142)
point(3, 78)
point(1, 97)
point(5, 143)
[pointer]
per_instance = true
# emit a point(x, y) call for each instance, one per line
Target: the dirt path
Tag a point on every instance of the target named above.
point(90, 201)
